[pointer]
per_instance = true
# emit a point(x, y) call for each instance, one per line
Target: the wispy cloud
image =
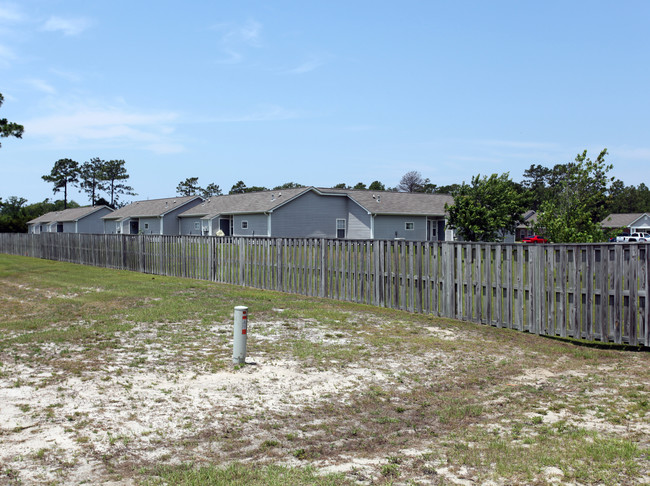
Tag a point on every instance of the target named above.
point(41, 85)
point(6, 55)
point(306, 67)
point(10, 13)
point(262, 114)
point(68, 26)
point(235, 39)
point(82, 122)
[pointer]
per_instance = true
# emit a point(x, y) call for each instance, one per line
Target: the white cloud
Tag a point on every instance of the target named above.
point(237, 38)
point(69, 26)
point(74, 124)
point(263, 114)
point(6, 55)
point(306, 67)
point(41, 85)
point(10, 13)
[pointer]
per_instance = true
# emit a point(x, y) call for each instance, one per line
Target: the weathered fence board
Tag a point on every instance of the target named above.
point(593, 292)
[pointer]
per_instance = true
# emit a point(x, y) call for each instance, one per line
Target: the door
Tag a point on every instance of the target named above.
point(134, 227)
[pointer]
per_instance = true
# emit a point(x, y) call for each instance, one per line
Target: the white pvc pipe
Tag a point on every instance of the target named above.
point(240, 335)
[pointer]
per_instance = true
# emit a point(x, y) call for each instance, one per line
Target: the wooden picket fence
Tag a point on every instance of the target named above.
point(585, 291)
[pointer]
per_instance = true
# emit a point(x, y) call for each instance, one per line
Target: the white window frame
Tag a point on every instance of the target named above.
point(244, 224)
point(146, 226)
point(197, 225)
point(407, 224)
point(344, 228)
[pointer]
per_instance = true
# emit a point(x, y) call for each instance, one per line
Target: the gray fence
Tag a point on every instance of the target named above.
point(592, 292)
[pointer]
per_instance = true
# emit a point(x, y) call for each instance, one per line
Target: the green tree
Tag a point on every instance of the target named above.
point(376, 186)
point(91, 176)
point(9, 129)
point(341, 185)
point(113, 174)
point(256, 189)
point(574, 214)
point(238, 188)
point(360, 186)
point(210, 190)
point(188, 187)
point(487, 209)
point(14, 213)
point(288, 185)
point(64, 173)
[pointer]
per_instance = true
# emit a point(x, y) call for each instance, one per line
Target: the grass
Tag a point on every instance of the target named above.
point(415, 398)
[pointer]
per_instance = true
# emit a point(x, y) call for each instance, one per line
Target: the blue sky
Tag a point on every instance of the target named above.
point(321, 92)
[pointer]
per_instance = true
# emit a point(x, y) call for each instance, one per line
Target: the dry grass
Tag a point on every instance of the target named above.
point(114, 376)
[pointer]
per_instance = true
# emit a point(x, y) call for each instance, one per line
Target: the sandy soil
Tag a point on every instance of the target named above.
point(74, 428)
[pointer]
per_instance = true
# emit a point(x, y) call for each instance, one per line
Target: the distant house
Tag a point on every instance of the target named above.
point(151, 217)
point(310, 212)
point(525, 228)
point(74, 220)
point(628, 222)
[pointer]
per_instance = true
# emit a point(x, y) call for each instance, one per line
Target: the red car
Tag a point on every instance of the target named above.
point(534, 239)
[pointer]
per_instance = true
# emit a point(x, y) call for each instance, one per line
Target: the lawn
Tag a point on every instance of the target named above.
point(115, 376)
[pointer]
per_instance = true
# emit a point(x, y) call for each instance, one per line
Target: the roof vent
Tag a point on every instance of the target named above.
point(272, 197)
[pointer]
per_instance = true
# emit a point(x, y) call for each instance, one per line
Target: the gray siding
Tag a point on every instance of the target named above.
point(643, 223)
point(171, 223)
point(188, 226)
point(93, 222)
point(154, 226)
point(257, 225)
point(358, 222)
point(390, 227)
point(310, 216)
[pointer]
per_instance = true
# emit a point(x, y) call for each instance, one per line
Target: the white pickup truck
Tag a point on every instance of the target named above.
point(633, 238)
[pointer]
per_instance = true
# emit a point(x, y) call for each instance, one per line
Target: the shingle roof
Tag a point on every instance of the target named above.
point(620, 220)
point(151, 207)
point(385, 202)
point(250, 202)
point(71, 214)
point(375, 202)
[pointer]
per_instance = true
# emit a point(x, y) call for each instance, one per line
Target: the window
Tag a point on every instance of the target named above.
point(340, 228)
point(146, 226)
point(244, 225)
point(197, 225)
point(409, 226)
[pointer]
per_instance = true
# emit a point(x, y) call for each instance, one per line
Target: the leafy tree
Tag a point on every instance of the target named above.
point(376, 186)
point(14, 213)
point(288, 185)
point(574, 214)
point(341, 185)
point(543, 183)
point(628, 199)
point(411, 182)
point(114, 173)
point(360, 186)
point(188, 187)
point(9, 129)
point(256, 189)
point(210, 190)
point(92, 181)
point(238, 188)
point(64, 173)
point(487, 209)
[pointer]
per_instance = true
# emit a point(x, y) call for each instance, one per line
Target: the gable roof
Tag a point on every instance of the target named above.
point(151, 207)
point(397, 203)
point(249, 202)
point(621, 220)
point(374, 202)
point(67, 215)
